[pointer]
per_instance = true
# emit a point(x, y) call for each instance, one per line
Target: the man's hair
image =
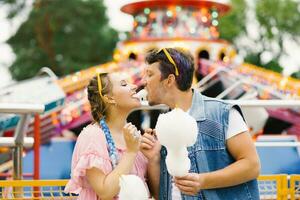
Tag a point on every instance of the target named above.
point(184, 62)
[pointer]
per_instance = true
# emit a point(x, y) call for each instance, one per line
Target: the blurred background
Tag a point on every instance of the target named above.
point(245, 50)
point(69, 35)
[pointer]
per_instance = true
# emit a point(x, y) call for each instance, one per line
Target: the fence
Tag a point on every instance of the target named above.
point(34, 189)
point(295, 187)
point(280, 187)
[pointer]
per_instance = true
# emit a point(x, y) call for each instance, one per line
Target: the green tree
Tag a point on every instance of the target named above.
point(296, 75)
point(278, 20)
point(65, 35)
point(255, 59)
point(233, 24)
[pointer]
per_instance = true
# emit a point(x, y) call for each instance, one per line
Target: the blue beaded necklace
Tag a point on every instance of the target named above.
point(112, 150)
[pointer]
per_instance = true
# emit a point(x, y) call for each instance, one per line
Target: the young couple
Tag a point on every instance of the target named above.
point(224, 162)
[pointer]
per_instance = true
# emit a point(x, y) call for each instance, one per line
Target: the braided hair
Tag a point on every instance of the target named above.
point(98, 106)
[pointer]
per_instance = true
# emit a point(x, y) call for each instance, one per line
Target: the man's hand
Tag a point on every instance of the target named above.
point(189, 184)
point(150, 146)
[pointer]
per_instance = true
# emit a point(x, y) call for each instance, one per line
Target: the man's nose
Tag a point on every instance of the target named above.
point(144, 81)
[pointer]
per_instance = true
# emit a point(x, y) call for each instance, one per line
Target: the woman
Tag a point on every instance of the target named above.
point(109, 147)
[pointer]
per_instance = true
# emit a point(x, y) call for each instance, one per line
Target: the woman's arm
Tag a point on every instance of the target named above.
point(107, 186)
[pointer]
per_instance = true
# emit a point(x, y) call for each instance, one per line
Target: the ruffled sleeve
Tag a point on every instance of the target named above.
point(90, 151)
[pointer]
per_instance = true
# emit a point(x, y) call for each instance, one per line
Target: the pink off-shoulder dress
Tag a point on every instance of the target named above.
point(91, 151)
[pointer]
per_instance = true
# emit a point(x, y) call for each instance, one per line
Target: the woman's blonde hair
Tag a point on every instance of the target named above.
point(96, 93)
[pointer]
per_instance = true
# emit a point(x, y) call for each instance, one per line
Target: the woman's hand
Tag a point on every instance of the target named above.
point(132, 138)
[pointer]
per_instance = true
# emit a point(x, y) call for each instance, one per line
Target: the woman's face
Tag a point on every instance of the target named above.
point(123, 92)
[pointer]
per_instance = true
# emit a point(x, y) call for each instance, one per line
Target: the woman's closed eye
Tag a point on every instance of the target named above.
point(123, 83)
point(149, 74)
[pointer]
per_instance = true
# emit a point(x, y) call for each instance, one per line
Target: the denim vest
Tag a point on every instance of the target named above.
point(209, 153)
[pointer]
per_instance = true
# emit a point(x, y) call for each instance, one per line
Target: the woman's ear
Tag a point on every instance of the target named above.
point(109, 99)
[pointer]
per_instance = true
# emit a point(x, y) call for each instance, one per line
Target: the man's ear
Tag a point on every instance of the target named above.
point(109, 99)
point(170, 81)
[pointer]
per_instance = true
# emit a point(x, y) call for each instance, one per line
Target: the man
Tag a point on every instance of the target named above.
point(224, 161)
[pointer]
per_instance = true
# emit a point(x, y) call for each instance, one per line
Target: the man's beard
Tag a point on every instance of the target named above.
point(153, 102)
point(157, 98)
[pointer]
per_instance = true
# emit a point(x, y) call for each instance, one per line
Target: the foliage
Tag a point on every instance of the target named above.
point(278, 20)
point(233, 24)
point(65, 35)
point(296, 75)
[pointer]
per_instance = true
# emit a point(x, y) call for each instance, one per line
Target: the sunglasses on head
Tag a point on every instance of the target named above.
point(169, 58)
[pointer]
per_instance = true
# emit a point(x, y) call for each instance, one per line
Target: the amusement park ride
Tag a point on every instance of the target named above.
point(188, 24)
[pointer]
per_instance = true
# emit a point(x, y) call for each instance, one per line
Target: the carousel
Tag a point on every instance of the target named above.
point(191, 25)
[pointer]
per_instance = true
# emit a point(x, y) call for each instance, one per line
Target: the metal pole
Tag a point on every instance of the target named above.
point(36, 149)
point(17, 169)
point(19, 141)
point(266, 103)
point(228, 90)
point(277, 144)
point(18, 151)
point(20, 108)
point(243, 103)
point(17, 162)
point(37, 121)
point(10, 142)
point(21, 129)
point(209, 77)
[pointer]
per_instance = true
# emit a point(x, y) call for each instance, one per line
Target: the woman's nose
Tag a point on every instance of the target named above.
point(133, 86)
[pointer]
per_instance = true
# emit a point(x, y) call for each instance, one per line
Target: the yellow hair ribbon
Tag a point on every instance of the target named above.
point(99, 84)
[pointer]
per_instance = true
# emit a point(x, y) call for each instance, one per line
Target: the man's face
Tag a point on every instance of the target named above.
point(153, 84)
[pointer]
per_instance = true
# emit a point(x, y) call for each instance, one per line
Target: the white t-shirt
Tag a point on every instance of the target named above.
point(236, 125)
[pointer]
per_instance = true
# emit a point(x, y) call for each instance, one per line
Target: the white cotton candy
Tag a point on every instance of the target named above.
point(178, 163)
point(142, 95)
point(132, 188)
point(177, 130)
